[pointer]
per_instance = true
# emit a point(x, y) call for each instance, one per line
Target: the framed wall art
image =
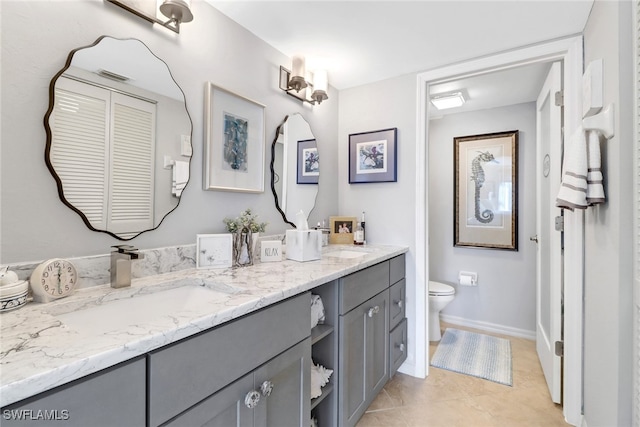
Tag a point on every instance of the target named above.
point(308, 162)
point(372, 156)
point(341, 229)
point(234, 142)
point(214, 250)
point(486, 191)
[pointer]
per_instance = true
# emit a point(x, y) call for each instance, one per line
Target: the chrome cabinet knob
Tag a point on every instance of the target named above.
point(251, 399)
point(401, 347)
point(373, 310)
point(266, 388)
point(399, 303)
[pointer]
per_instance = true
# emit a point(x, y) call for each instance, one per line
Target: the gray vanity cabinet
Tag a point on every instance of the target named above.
point(192, 372)
point(278, 389)
point(113, 397)
point(397, 320)
point(364, 340)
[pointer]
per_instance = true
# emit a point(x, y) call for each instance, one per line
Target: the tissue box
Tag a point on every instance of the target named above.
point(304, 245)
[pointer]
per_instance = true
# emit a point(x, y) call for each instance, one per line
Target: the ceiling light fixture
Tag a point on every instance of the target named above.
point(303, 85)
point(449, 100)
point(178, 11)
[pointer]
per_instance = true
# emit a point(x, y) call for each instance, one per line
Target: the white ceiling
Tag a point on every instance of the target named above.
point(360, 42)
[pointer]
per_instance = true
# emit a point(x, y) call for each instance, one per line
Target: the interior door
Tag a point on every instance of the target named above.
point(548, 239)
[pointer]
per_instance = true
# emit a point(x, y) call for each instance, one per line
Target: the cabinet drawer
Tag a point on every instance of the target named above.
point(358, 287)
point(397, 304)
point(397, 347)
point(183, 374)
point(396, 269)
point(113, 397)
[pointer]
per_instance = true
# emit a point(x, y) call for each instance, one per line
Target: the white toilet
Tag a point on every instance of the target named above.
point(439, 296)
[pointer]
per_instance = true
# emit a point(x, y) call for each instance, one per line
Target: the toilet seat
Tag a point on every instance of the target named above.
point(440, 289)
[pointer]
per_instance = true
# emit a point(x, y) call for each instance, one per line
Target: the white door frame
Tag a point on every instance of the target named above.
point(568, 50)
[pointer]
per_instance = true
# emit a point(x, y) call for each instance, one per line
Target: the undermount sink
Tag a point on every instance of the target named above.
point(125, 314)
point(346, 254)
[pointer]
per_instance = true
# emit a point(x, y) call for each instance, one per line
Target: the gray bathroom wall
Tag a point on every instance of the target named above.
point(608, 295)
point(37, 36)
point(505, 297)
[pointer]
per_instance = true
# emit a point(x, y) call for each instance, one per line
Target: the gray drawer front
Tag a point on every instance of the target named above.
point(397, 347)
point(397, 304)
point(113, 397)
point(396, 269)
point(358, 287)
point(185, 373)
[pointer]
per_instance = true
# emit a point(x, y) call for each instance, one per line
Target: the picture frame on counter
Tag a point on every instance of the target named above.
point(486, 191)
point(234, 141)
point(214, 250)
point(341, 229)
point(373, 156)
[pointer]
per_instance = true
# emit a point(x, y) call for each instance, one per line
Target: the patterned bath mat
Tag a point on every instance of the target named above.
point(478, 355)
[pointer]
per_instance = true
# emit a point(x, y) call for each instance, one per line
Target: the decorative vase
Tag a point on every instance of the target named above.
point(244, 246)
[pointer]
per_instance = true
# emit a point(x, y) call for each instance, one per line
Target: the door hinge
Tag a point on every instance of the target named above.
point(559, 99)
point(560, 223)
point(559, 350)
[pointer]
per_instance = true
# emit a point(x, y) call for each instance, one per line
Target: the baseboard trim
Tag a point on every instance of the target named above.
point(489, 327)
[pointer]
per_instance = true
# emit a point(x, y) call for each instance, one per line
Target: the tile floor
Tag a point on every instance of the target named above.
point(449, 399)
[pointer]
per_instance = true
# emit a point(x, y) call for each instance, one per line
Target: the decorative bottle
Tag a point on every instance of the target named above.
point(358, 237)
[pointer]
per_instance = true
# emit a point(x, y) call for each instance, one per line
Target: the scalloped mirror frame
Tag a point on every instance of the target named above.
point(281, 130)
point(48, 130)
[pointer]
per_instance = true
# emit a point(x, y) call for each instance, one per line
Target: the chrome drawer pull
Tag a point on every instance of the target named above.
point(266, 388)
point(251, 399)
point(373, 310)
point(398, 303)
point(400, 347)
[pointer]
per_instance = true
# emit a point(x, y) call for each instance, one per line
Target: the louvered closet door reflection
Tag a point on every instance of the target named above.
point(132, 165)
point(79, 147)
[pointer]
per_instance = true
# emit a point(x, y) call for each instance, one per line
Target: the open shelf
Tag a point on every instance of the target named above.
point(319, 332)
point(326, 391)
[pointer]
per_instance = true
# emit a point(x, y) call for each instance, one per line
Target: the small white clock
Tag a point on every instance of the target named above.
point(53, 279)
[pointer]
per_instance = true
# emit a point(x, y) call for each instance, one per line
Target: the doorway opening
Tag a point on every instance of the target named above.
point(569, 53)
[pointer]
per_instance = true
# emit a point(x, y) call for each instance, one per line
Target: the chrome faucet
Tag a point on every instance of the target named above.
point(121, 257)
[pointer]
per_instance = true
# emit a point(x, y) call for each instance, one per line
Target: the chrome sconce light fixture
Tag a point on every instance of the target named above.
point(178, 11)
point(303, 85)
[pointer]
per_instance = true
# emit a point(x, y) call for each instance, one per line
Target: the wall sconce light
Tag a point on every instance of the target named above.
point(303, 85)
point(178, 11)
point(449, 100)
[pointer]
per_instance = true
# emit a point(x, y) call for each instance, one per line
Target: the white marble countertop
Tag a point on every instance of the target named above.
point(43, 346)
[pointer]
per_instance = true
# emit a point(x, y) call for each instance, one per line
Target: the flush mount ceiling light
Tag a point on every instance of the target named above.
point(449, 100)
point(178, 11)
point(302, 84)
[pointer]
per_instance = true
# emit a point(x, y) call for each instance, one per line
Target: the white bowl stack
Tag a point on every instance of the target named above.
point(13, 292)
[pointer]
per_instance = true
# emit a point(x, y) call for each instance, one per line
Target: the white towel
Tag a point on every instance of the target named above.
point(573, 189)
point(180, 177)
point(595, 189)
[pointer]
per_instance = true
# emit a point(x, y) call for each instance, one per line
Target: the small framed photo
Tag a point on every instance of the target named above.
point(214, 250)
point(341, 229)
point(486, 191)
point(308, 162)
point(234, 142)
point(372, 156)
